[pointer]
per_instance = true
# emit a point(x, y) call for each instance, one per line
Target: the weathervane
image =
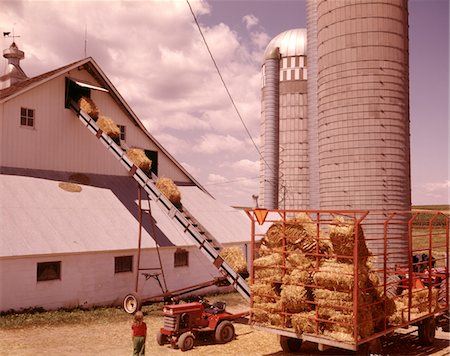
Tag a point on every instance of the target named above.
point(8, 34)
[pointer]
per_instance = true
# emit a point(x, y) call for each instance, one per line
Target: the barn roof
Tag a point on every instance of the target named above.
point(40, 218)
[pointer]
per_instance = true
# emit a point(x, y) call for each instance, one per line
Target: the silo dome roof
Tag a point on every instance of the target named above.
point(290, 43)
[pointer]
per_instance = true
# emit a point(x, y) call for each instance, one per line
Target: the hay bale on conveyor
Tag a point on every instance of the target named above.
point(88, 106)
point(108, 126)
point(139, 159)
point(235, 258)
point(170, 190)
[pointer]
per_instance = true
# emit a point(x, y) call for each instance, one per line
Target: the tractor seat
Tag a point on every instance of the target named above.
point(216, 308)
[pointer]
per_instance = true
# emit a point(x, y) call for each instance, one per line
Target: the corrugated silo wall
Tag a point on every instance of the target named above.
point(313, 148)
point(294, 170)
point(270, 133)
point(363, 104)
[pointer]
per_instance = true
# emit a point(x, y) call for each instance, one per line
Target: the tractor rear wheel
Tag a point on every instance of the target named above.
point(132, 303)
point(290, 344)
point(427, 331)
point(224, 332)
point(161, 339)
point(186, 341)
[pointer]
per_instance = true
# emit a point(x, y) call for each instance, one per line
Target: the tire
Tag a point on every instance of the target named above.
point(161, 339)
point(186, 341)
point(132, 303)
point(427, 331)
point(224, 332)
point(290, 344)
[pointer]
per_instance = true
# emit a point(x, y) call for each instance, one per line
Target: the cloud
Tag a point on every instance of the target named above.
point(244, 166)
point(250, 21)
point(213, 143)
point(154, 55)
point(433, 187)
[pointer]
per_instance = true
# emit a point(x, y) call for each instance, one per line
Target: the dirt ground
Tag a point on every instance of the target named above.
point(101, 338)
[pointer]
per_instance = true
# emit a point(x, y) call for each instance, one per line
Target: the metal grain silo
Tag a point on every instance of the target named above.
point(363, 107)
point(284, 127)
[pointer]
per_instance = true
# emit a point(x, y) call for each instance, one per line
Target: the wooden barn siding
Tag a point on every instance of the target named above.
point(89, 279)
point(59, 142)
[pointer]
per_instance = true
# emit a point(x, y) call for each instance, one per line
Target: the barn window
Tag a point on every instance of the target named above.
point(26, 117)
point(181, 258)
point(47, 271)
point(122, 132)
point(123, 264)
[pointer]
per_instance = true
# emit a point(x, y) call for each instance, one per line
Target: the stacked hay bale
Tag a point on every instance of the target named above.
point(170, 190)
point(282, 273)
point(419, 305)
point(334, 294)
point(235, 258)
point(88, 106)
point(139, 158)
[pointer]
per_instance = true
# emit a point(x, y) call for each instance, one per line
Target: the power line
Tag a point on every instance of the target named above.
point(231, 181)
point(229, 94)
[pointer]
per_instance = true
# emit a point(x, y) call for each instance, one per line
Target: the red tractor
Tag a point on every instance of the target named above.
point(183, 323)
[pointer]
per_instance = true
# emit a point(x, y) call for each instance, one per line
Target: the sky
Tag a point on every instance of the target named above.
point(154, 55)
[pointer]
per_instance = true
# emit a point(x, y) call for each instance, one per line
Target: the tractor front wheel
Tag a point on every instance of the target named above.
point(290, 344)
point(132, 303)
point(224, 332)
point(161, 339)
point(186, 341)
point(427, 331)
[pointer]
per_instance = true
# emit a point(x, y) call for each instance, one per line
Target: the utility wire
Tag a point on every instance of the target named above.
point(226, 89)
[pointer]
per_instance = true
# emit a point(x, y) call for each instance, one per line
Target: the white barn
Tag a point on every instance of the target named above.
point(63, 248)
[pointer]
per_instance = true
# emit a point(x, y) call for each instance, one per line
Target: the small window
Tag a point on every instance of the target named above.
point(47, 271)
point(181, 258)
point(123, 264)
point(26, 117)
point(122, 132)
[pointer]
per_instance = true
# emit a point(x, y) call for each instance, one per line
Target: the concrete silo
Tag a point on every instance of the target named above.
point(284, 136)
point(363, 106)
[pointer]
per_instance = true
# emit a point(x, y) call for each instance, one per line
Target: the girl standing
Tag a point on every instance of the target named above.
point(139, 334)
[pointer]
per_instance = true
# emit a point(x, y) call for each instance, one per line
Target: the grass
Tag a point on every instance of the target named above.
point(34, 317)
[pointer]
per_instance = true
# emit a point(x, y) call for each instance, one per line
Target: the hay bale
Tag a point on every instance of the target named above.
point(170, 190)
point(264, 293)
point(108, 126)
point(326, 298)
point(295, 298)
point(70, 187)
point(297, 276)
point(268, 267)
point(304, 322)
point(88, 106)
point(235, 258)
point(334, 275)
point(139, 158)
point(342, 236)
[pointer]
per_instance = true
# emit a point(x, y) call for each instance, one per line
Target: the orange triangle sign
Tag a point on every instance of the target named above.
point(261, 215)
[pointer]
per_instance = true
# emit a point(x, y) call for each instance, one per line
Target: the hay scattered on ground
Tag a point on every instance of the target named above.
point(139, 158)
point(235, 258)
point(88, 106)
point(108, 126)
point(170, 190)
point(70, 187)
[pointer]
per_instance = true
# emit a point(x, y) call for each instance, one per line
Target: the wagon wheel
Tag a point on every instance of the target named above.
point(224, 332)
point(186, 341)
point(427, 331)
point(290, 344)
point(161, 339)
point(132, 303)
